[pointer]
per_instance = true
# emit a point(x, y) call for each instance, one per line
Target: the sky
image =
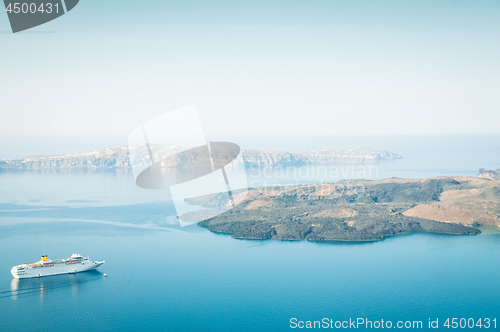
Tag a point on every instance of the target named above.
point(257, 71)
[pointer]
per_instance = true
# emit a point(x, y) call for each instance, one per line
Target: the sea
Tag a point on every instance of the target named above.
point(162, 277)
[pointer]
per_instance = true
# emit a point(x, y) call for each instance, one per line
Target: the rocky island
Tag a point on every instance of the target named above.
point(123, 157)
point(359, 210)
point(486, 174)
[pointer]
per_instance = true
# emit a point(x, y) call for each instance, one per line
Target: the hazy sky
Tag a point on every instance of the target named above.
point(254, 69)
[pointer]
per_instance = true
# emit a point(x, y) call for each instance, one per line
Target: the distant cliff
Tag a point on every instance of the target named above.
point(325, 156)
point(485, 174)
point(123, 157)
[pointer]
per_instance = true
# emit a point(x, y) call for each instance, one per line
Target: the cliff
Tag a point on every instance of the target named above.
point(325, 156)
point(124, 157)
point(491, 175)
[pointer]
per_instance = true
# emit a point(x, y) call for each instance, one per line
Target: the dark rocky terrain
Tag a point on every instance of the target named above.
point(358, 210)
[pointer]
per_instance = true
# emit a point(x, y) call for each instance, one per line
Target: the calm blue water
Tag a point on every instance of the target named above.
point(163, 278)
point(198, 281)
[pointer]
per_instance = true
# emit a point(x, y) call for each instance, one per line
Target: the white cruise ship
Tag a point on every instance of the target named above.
point(47, 267)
